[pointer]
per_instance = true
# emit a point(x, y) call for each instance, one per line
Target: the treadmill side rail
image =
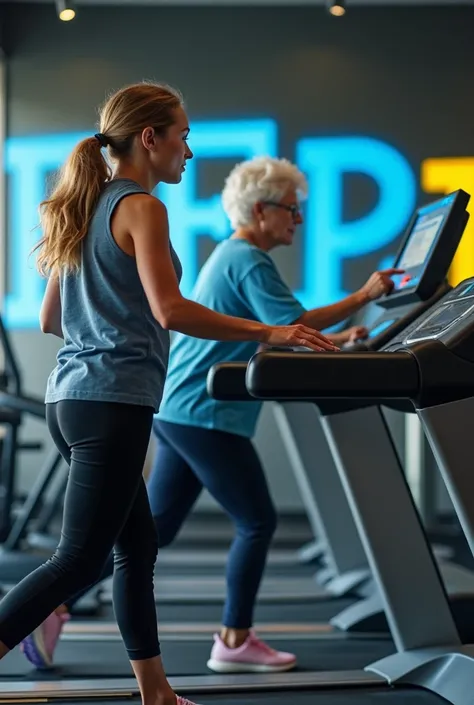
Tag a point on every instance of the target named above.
point(39, 691)
point(448, 428)
point(391, 530)
point(322, 493)
point(449, 674)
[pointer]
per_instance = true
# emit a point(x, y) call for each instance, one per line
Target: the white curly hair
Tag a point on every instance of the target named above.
point(259, 179)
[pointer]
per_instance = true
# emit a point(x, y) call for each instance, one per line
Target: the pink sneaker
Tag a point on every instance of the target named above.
point(254, 656)
point(183, 701)
point(39, 646)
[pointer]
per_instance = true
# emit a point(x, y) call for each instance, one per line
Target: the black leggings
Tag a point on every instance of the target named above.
point(106, 506)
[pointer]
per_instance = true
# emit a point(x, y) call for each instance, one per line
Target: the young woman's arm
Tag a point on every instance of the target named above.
point(50, 313)
point(145, 219)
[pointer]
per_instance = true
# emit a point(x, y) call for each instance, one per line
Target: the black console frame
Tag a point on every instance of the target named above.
point(443, 249)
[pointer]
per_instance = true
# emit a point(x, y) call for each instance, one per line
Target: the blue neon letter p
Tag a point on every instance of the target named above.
point(328, 239)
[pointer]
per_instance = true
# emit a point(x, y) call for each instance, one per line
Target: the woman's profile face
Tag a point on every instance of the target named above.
point(279, 219)
point(172, 150)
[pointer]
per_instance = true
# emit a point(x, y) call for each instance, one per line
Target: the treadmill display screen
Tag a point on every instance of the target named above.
point(381, 327)
point(415, 254)
point(441, 319)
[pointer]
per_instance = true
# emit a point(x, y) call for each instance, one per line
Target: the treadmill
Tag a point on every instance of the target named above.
point(424, 235)
point(433, 365)
point(426, 252)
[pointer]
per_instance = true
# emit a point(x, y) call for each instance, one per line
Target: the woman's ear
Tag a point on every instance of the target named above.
point(149, 138)
point(258, 212)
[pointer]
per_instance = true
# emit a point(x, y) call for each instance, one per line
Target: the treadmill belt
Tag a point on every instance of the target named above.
point(347, 696)
point(297, 612)
point(103, 659)
point(199, 589)
point(206, 570)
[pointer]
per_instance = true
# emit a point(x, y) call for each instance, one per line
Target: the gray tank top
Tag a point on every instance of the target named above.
point(114, 350)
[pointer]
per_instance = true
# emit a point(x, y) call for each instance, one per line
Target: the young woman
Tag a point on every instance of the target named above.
point(112, 296)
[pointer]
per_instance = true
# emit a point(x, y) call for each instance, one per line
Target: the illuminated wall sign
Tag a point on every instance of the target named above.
point(325, 161)
point(445, 175)
point(328, 241)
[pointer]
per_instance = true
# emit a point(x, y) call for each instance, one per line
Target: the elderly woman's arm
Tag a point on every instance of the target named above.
point(379, 283)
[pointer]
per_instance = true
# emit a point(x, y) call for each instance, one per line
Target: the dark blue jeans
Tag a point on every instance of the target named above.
point(188, 459)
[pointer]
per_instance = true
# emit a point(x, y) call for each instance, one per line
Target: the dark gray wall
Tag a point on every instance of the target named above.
point(403, 75)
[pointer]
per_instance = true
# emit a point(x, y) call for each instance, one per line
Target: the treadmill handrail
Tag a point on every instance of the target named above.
point(345, 375)
point(34, 406)
point(11, 366)
point(226, 382)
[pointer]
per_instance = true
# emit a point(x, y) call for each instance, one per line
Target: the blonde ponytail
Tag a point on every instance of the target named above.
point(65, 216)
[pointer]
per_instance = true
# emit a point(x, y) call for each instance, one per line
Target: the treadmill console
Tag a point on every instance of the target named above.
point(442, 342)
point(448, 321)
point(445, 322)
point(394, 321)
point(438, 324)
point(426, 255)
point(430, 242)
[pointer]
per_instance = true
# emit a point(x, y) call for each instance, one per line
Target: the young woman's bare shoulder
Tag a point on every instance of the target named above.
point(140, 206)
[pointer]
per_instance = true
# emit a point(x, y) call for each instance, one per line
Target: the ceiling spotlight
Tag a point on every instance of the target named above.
point(337, 8)
point(65, 9)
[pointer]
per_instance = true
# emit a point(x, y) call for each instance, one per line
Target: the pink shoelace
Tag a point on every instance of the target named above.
point(261, 644)
point(183, 701)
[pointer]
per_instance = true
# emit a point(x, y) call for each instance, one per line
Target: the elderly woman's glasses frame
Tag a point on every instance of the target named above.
point(293, 209)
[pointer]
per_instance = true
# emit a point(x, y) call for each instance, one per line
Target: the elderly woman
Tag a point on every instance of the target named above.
point(207, 443)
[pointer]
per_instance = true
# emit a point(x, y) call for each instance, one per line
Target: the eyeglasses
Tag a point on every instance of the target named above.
point(293, 209)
